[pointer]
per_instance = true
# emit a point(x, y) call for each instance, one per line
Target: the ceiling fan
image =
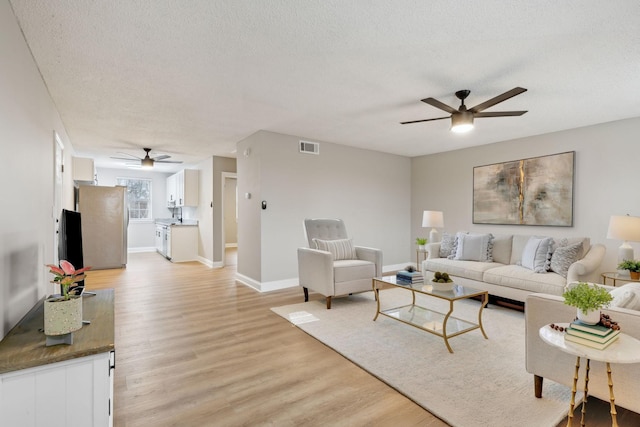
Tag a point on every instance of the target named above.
point(462, 118)
point(148, 161)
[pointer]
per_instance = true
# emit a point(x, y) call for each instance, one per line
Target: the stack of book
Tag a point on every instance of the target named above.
point(409, 278)
point(596, 336)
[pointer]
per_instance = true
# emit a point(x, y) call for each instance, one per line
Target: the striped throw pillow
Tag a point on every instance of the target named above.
point(340, 249)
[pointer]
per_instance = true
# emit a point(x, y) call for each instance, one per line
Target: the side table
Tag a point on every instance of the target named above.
point(625, 350)
point(424, 254)
point(614, 276)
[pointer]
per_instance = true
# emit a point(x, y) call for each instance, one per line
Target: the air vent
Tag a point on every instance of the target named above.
point(309, 147)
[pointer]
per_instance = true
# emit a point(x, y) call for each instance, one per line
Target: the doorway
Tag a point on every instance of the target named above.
point(230, 217)
point(58, 165)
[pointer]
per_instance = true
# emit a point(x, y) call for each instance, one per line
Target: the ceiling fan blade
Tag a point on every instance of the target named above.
point(161, 157)
point(441, 105)
point(499, 114)
point(168, 161)
point(500, 98)
point(130, 155)
point(128, 159)
point(425, 120)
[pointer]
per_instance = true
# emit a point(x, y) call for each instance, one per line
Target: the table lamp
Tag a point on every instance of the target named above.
point(627, 229)
point(433, 219)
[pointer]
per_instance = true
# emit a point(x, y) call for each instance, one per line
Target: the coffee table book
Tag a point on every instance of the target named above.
point(592, 329)
point(592, 337)
point(589, 343)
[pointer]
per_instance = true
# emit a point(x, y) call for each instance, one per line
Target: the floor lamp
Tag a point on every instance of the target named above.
point(433, 219)
point(627, 229)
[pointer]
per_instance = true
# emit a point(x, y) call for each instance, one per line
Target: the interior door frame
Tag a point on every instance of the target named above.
point(225, 176)
point(58, 181)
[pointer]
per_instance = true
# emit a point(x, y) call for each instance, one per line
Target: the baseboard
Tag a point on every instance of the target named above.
point(267, 286)
point(141, 249)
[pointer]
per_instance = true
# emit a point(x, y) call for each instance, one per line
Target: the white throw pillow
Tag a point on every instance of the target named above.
point(537, 254)
point(474, 247)
point(626, 296)
point(447, 245)
point(340, 248)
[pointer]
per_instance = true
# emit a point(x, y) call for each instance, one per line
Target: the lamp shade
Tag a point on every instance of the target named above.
point(432, 219)
point(624, 227)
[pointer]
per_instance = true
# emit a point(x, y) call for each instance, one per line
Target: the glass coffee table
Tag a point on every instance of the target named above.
point(441, 324)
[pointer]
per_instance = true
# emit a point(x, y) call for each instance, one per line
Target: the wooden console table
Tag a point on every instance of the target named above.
point(81, 372)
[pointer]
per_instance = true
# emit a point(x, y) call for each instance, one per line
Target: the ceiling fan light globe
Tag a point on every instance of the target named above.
point(146, 163)
point(462, 122)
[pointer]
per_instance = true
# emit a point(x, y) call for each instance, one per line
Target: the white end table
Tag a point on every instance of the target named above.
point(625, 350)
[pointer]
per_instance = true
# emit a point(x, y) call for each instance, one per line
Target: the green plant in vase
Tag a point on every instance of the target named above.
point(588, 299)
point(632, 266)
point(421, 241)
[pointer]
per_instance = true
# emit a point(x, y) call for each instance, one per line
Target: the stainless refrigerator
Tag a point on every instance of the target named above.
point(105, 218)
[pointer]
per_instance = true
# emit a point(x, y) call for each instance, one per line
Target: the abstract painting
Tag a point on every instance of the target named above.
point(534, 191)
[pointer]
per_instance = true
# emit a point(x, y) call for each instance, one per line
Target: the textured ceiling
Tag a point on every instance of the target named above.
point(192, 78)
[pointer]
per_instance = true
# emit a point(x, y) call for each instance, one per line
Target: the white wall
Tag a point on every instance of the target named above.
point(606, 181)
point(230, 220)
point(205, 211)
point(369, 190)
point(28, 119)
point(141, 234)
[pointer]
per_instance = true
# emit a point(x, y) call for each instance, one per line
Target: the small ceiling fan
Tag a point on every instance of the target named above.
point(147, 161)
point(462, 118)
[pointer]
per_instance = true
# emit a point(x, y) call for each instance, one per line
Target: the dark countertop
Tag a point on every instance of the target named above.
point(24, 346)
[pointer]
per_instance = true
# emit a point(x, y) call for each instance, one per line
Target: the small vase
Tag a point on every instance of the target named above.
point(590, 318)
point(635, 275)
point(421, 248)
point(62, 317)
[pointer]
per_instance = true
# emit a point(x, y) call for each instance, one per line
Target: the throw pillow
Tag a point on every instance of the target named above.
point(447, 244)
point(563, 257)
point(474, 247)
point(626, 296)
point(537, 254)
point(340, 248)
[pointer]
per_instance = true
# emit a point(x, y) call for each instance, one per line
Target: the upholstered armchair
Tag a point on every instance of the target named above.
point(331, 265)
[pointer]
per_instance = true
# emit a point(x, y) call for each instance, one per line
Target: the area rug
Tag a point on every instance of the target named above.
point(483, 383)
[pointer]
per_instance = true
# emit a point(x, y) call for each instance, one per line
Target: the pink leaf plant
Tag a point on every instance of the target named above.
point(66, 275)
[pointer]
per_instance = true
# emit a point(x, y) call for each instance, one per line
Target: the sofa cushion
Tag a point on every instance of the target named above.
point(563, 257)
point(518, 277)
point(339, 248)
point(353, 269)
point(467, 269)
point(626, 296)
point(447, 244)
point(474, 247)
point(502, 248)
point(519, 242)
point(537, 254)
point(586, 244)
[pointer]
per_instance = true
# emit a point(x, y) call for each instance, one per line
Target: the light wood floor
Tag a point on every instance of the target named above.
point(195, 348)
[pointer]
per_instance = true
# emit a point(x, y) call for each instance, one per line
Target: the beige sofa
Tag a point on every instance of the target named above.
point(503, 276)
point(545, 361)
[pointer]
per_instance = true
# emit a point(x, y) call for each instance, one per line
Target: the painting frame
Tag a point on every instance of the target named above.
point(537, 191)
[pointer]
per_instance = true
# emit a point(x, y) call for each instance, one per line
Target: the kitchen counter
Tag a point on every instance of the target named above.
point(175, 222)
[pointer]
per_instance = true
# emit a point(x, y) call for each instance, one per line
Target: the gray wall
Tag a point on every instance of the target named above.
point(369, 190)
point(606, 181)
point(28, 119)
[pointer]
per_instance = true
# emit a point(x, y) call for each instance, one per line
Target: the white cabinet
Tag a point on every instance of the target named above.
point(182, 188)
point(159, 238)
point(83, 169)
point(172, 191)
point(77, 392)
point(182, 243)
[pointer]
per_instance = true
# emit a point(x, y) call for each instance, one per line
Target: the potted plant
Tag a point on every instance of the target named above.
point(632, 266)
point(588, 299)
point(63, 313)
point(421, 241)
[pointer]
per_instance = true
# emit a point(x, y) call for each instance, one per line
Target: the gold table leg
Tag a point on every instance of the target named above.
point(586, 394)
point(573, 393)
point(376, 292)
point(612, 399)
point(485, 301)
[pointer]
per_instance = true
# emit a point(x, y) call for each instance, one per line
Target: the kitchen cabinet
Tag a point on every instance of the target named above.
point(172, 190)
point(159, 238)
point(83, 169)
point(182, 243)
point(63, 385)
point(182, 188)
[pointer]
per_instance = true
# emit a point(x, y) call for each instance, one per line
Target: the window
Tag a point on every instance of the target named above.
point(138, 198)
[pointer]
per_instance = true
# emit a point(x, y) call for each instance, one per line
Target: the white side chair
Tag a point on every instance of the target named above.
point(331, 265)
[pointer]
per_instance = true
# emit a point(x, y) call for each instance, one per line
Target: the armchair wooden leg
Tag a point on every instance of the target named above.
point(537, 385)
point(306, 294)
point(328, 303)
